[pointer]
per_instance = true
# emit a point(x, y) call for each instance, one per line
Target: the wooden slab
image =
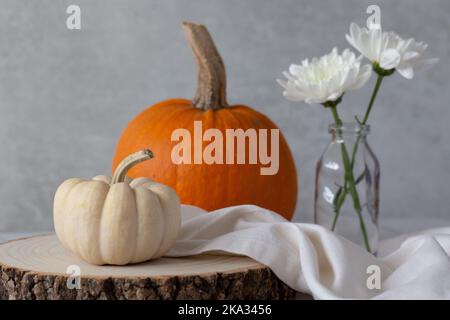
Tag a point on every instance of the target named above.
point(39, 268)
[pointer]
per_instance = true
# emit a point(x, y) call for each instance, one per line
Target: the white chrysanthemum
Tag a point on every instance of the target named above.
point(326, 78)
point(389, 50)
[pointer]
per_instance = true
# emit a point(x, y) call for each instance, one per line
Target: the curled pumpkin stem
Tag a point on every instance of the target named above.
point(211, 86)
point(129, 162)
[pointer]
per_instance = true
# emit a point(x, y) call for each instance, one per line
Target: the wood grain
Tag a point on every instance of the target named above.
point(36, 268)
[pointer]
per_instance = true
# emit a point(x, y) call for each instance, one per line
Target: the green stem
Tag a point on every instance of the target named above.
point(372, 98)
point(349, 178)
point(364, 122)
point(341, 194)
point(336, 118)
point(366, 116)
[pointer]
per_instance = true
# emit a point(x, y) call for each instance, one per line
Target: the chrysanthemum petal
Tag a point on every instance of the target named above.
point(326, 78)
point(389, 50)
point(406, 71)
point(390, 59)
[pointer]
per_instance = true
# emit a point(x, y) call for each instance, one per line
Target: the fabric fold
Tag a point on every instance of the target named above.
point(314, 260)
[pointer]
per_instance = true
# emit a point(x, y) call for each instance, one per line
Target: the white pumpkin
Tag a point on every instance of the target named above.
point(117, 220)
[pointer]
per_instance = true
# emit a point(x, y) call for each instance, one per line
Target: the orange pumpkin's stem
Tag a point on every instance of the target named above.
point(211, 87)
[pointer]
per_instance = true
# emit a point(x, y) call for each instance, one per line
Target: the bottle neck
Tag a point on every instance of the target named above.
point(349, 132)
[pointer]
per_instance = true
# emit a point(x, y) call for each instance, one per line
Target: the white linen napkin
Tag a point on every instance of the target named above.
point(314, 260)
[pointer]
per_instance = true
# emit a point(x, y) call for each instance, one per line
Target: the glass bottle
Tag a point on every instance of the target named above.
point(347, 186)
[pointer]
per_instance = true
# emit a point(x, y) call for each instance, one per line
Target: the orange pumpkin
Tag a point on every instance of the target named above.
point(209, 186)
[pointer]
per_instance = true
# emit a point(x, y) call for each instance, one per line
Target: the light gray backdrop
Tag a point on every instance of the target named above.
point(65, 96)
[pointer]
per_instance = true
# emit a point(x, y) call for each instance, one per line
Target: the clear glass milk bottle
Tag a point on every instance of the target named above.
point(347, 186)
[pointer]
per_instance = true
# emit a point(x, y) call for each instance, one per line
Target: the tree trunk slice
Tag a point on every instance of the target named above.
point(36, 268)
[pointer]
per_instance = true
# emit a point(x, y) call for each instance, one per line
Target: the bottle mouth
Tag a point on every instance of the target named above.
point(349, 128)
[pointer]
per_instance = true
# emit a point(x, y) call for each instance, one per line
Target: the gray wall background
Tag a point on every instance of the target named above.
point(65, 96)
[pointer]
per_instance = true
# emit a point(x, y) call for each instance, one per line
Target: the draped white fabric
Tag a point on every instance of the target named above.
point(313, 260)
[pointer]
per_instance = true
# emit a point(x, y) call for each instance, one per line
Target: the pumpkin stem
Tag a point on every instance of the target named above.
point(130, 161)
point(211, 87)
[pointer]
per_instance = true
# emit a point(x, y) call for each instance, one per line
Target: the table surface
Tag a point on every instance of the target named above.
point(388, 228)
point(45, 254)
